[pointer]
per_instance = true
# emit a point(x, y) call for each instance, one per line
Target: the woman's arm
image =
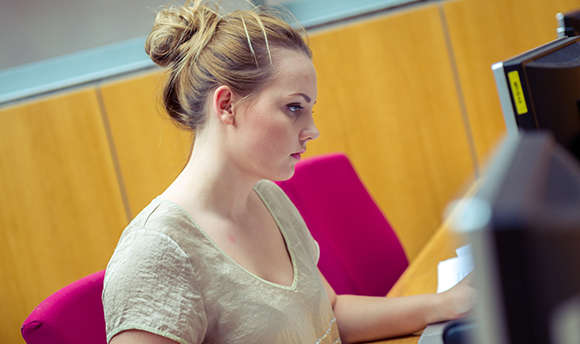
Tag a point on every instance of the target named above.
point(365, 318)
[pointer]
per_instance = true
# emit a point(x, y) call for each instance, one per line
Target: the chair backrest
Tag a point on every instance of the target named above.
point(359, 251)
point(74, 314)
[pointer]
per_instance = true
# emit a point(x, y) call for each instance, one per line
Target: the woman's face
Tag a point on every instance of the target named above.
point(274, 125)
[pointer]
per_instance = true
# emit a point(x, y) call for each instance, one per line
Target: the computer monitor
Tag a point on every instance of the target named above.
point(523, 224)
point(540, 89)
point(568, 24)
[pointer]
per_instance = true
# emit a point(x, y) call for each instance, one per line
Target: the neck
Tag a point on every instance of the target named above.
point(212, 183)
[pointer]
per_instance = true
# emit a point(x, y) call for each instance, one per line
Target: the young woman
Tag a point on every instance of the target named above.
point(222, 255)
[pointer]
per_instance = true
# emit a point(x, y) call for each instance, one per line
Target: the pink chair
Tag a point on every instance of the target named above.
point(73, 314)
point(359, 251)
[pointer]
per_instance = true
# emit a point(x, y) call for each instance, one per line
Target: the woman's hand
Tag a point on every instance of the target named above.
point(458, 301)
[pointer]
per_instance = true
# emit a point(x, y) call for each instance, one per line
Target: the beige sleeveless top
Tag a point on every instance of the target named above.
point(168, 277)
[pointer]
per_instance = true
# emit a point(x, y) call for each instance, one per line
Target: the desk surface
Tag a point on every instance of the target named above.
point(421, 276)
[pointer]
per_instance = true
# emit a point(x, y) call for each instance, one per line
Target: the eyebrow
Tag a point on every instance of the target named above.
point(307, 98)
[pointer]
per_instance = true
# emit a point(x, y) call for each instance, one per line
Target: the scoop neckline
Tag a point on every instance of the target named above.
point(290, 250)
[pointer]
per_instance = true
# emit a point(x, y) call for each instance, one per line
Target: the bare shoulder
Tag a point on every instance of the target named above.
point(141, 337)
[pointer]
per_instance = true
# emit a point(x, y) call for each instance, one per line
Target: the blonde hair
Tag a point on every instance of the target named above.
point(204, 50)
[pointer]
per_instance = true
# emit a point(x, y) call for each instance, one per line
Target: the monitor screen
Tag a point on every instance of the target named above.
point(524, 227)
point(540, 89)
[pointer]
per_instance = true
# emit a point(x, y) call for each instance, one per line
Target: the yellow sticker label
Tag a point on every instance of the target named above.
point(517, 92)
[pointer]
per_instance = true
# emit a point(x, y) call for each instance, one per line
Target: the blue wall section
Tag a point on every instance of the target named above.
point(315, 13)
point(99, 63)
point(72, 70)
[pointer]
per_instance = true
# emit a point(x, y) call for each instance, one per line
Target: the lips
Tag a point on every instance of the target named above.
point(297, 154)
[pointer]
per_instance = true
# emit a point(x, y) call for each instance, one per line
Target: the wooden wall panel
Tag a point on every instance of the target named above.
point(150, 148)
point(483, 32)
point(388, 99)
point(61, 212)
point(333, 95)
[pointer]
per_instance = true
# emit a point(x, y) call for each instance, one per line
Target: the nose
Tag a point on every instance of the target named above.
point(310, 132)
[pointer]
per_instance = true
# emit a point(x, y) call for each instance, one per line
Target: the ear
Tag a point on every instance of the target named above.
point(222, 104)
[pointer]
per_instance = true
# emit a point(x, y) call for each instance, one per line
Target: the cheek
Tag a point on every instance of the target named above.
point(271, 135)
point(265, 148)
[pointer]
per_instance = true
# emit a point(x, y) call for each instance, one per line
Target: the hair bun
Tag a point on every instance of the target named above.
point(173, 27)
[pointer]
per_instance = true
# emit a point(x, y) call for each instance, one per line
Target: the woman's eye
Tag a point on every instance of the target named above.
point(294, 108)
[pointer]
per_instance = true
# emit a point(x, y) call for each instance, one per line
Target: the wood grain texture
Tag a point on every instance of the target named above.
point(421, 275)
point(61, 212)
point(387, 98)
point(151, 150)
point(483, 32)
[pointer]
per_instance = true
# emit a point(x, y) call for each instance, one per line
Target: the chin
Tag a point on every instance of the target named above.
point(280, 177)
